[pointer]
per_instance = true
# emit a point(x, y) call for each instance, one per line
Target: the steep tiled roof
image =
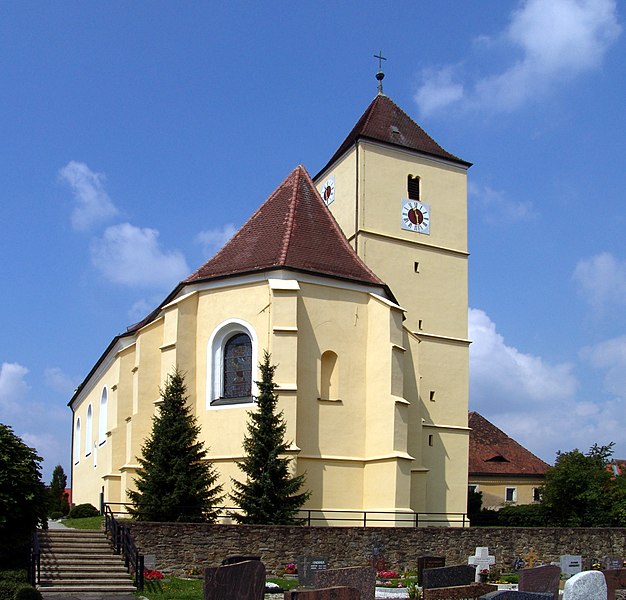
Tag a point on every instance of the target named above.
point(384, 121)
point(292, 229)
point(493, 452)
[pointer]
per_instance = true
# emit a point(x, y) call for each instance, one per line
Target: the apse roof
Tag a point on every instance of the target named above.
point(493, 452)
point(292, 229)
point(384, 121)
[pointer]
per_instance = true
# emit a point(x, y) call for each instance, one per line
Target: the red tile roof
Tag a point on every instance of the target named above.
point(292, 229)
point(493, 452)
point(384, 121)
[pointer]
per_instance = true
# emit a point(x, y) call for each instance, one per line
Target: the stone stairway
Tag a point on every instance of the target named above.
point(75, 562)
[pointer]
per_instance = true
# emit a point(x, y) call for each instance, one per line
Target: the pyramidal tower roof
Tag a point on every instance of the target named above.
point(292, 229)
point(384, 121)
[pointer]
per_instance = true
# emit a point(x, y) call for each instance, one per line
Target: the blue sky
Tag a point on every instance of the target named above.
point(137, 136)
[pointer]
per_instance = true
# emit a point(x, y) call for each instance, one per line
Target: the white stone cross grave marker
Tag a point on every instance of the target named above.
point(481, 560)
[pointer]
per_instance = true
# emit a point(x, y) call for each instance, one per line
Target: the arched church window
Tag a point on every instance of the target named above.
point(329, 388)
point(89, 431)
point(102, 422)
point(232, 357)
point(238, 367)
point(77, 441)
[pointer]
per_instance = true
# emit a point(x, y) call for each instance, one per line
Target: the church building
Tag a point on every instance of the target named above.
point(355, 281)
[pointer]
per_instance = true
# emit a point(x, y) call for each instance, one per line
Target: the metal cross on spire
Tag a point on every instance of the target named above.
point(380, 75)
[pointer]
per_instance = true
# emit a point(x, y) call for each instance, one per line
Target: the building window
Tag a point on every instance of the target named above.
point(231, 363)
point(89, 431)
point(473, 487)
point(432, 395)
point(238, 367)
point(102, 420)
point(536, 494)
point(77, 441)
point(329, 388)
point(430, 440)
point(510, 494)
point(413, 187)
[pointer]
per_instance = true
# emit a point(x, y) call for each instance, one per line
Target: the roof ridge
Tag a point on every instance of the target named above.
point(290, 219)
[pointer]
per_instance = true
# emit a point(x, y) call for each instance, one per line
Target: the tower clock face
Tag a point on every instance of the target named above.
point(328, 190)
point(415, 216)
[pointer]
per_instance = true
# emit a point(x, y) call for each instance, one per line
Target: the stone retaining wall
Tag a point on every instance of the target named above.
point(181, 546)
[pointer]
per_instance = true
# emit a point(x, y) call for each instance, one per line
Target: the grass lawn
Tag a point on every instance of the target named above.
point(173, 588)
point(87, 523)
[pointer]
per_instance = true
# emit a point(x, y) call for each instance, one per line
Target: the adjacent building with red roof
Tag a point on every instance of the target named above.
point(503, 470)
point(355, 281)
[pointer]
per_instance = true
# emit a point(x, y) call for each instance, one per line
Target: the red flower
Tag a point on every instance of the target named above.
point(153, 574)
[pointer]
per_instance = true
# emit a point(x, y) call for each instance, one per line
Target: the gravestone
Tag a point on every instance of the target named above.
point(362, 579)
point(307, 566)
point(543, 579)
point(615, 580)
point(236, 558)
point(612, 562)
point(481, 561)
point(240, 581)
point(333, 593)
point(571, 564)
point(428, 562)
point(588, 585)
point(459, 592)
point(149, 561)
point(448, 576)
point(517, 595)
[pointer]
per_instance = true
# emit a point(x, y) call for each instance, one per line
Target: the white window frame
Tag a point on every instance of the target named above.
point(103, 416)
point(215, 360)
point(77, 441)
point(89, 430)
point(514, 494)
point(473, 485)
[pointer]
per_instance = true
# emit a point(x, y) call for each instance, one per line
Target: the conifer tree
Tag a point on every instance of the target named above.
point(270, 495)
point(58, 498)
point(175, 483)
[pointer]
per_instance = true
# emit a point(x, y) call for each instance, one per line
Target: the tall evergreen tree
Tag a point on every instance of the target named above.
point(270, 494)
point(175, 483)
point(58, 498)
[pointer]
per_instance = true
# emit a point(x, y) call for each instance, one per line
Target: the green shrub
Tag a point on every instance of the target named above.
point(27, 592)
point(7, 590)
point(56, 515)
point(82, 511)
point(15, 575)
point(522, 515)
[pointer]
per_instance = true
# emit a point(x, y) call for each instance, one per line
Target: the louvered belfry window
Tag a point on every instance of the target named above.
point(413, 187)
point(238, 367)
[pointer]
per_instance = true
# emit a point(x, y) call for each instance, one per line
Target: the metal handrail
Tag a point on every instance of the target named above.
point(124, 544)
point(361, 517)
point(34, 564)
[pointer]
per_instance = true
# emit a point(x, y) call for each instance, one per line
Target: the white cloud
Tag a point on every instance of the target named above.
point(131, 256)
point(556, 41)
point(93, 204)
point(498, 208)
point(56, 379)
point(213, 239)
point(601, 280)
point(13, 386)
point(610, 356)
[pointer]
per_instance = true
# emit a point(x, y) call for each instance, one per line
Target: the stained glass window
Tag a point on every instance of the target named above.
point(238, 367)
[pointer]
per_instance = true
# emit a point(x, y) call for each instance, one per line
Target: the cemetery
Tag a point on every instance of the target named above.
point(367, 563)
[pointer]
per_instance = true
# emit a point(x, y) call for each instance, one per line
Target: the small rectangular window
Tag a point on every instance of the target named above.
point(413, 187)
point(416, 267)
point(510, 494)
point(430, 440)
point(432, 395)
point(536, 494)
point(472, 487)
point(419, 324)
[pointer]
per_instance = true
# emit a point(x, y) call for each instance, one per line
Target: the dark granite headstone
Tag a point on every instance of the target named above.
point(611, 562)
point(615, 580)
point(307, 566)
point(448, 576)
point(459, 592)
point(240, 581)
point(544, 579)
point(429, 562)
point(360, 578)
point(513, 595)
point(236, 558)
point(333, 593)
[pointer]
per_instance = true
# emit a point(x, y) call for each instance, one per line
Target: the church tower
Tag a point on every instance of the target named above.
point(401, 200)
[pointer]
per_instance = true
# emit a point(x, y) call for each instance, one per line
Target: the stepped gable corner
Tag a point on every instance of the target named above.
point(292, 229)
point(384, 121)
point(493, 452)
